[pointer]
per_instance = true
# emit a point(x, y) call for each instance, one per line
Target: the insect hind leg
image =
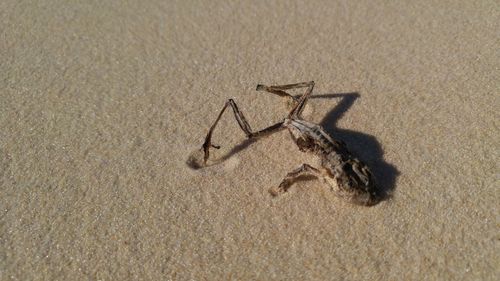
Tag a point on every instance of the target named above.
point(242, 122)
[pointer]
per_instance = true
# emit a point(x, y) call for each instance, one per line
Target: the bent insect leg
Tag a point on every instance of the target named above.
point(297, 110)
point(280, 89)
point(299, 102)
point(303, 170)
point(242, 122)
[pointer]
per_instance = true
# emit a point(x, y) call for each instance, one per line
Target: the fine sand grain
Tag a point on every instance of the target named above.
point(102, 102)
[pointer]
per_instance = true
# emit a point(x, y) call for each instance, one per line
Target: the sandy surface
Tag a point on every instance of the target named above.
point(102, 103)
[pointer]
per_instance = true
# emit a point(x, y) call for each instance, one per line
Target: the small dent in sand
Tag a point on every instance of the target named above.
point(195, 159)
point(231, 163)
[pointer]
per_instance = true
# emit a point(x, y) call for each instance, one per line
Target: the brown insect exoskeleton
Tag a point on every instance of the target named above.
point(347, 176)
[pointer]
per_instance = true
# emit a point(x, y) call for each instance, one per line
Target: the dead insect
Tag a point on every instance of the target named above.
point(348, 177)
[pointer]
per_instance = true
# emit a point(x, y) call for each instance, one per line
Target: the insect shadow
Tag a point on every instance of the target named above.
point(365, 146)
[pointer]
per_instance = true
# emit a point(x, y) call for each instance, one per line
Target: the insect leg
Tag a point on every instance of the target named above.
point(267, 131)
point(242, 122)
point(287, 86)
point(303, 170)
point(298, 102)
point(297, 110)
point(276, 91)
point(280, 89)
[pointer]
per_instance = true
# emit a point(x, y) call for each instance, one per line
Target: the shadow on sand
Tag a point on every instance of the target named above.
point(365, 146)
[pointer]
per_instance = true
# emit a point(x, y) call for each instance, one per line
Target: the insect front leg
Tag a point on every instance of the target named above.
point(303, 170)
point(242, 122)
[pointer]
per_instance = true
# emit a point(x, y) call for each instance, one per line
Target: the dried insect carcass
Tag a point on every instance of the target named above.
point(347, 176)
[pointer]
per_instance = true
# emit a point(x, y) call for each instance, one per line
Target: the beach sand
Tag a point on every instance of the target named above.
point(102, 102)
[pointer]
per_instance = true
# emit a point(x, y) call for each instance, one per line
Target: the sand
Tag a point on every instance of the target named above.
point(102, 102)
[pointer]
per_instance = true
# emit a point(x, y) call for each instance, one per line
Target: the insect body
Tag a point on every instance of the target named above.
point(347, 176)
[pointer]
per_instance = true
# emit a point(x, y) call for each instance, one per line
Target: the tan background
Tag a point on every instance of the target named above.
point(103, 101)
